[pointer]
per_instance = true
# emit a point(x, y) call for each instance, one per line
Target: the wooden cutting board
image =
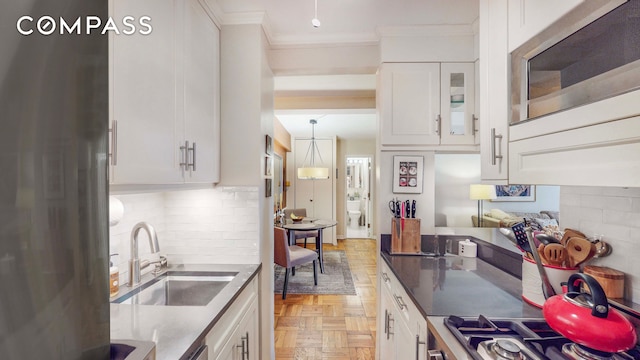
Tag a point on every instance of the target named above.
point(405, 240)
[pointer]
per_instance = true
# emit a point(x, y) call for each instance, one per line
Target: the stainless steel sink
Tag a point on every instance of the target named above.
point(179, 288)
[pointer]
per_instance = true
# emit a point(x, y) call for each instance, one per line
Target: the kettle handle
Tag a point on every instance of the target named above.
point(600, 304)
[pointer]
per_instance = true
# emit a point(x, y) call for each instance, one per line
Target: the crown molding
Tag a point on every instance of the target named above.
point(426, 30)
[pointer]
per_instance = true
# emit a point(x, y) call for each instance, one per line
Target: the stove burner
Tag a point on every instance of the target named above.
point(580, 352)
point(506, 349)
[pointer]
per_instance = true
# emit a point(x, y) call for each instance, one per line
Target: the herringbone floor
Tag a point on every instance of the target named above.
point(332, 326)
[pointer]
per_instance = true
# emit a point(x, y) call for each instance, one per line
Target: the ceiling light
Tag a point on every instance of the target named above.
point(311, 172)
point(315, 22)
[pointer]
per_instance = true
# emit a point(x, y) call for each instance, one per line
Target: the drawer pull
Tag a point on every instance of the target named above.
point(400, 302)
point(385, 277)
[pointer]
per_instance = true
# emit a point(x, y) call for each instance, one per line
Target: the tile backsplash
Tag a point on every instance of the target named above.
point(614, 213)
point(194, 226)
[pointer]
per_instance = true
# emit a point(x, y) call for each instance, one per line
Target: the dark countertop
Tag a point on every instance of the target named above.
point(455, 285)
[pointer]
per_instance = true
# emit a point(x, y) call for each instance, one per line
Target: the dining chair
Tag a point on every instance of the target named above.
point(301, 234)
point(289, 256)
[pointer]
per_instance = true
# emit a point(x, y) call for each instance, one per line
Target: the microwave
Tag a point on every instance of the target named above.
point(590, 54)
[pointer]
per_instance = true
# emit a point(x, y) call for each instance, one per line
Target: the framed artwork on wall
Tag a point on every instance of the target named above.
point(408, 174)
point(268, 146)
point(515, 193)
point(267, 188)
point(268, 165)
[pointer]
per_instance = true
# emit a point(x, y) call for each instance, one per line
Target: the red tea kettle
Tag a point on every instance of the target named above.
point(586, 319)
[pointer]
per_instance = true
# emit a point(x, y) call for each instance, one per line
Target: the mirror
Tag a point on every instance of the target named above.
point(454, 174)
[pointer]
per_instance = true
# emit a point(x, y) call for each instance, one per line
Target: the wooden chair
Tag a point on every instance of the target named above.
point(301, 234)
point(289, 256)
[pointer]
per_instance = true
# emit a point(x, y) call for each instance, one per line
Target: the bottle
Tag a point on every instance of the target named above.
point(114, 278)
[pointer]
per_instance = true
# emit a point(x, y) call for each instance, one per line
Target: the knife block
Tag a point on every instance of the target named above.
point(405, 240)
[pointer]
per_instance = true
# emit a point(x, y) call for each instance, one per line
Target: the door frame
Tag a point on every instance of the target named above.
point(370, 206)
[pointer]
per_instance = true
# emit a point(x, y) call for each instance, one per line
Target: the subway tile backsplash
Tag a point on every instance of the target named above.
point(194, 226)
point(614, 213)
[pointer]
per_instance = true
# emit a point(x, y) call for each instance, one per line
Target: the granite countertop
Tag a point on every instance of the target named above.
point(461, 286)
point(178, 330)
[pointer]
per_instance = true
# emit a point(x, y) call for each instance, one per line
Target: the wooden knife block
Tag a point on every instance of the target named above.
point(407, 240)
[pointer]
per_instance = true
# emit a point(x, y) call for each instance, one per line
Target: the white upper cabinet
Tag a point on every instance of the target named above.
point(165, 96)
point(142, 96)
point(410, 103)
point(457, 104)
point(427, 104)
point(201, 93)
point(494, 95)
point(527, 18)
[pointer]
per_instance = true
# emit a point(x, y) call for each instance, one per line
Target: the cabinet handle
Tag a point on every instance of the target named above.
point(438, 124)
point(400, 301)
point(387, 321)
point(245, 346)
point(418, 343)
point(184, 153)
point(113, 155)
point(474, 127)
point(193, 157)
point(385, 277)
point(494, 156)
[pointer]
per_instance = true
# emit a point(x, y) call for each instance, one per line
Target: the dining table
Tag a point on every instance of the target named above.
point(310, 224)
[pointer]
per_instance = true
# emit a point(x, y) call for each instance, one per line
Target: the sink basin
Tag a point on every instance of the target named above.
point(179, 288)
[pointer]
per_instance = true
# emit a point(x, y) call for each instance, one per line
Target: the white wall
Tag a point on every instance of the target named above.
point(614, 213)
point(425, 200)
point(194, 226)
point(454, 174)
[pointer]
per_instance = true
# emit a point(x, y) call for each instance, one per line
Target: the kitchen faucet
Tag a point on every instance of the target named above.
point(134, 262)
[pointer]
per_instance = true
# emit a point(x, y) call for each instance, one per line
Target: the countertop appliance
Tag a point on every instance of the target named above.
point(54, 262)
point(497, 338)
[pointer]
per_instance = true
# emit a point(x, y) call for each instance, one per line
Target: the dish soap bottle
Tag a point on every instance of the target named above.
point(114, 278)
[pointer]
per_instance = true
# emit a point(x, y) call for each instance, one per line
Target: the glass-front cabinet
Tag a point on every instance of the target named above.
point(457, 103)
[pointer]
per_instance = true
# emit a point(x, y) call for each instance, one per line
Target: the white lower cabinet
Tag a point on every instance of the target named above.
point(403, 330)
point(236, 335)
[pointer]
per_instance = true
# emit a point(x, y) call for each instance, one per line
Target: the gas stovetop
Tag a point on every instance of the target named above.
point(522, 339)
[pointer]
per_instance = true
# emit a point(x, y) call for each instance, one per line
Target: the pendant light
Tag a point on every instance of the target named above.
point(315, 22)
point(309, 171)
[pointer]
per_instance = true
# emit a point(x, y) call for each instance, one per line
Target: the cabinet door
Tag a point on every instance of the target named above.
point(529, 17)
point(410, 103)
point(317, 196)
point(201, 44)
point(386, 337)
point(142, 96)
point(494, 95)
point(243, 344)
point(457, 104)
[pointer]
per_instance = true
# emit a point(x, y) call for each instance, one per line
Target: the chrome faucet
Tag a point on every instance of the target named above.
point(134, 262)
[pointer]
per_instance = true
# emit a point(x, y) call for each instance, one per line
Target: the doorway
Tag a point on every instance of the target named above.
point(358, 197)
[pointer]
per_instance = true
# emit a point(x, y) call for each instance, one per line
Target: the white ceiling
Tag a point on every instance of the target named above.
point(348, 21)
point(287, 23)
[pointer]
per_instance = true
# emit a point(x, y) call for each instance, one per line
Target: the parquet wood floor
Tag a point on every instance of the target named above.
point(337, 327)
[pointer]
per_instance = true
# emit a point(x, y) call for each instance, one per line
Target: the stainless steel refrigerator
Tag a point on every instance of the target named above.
point(53, 183)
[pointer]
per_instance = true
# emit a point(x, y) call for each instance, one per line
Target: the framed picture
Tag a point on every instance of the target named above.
point(268, 165)
point(407, 174)
point(268, 146)
point(515, 193)
point(267, 188)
